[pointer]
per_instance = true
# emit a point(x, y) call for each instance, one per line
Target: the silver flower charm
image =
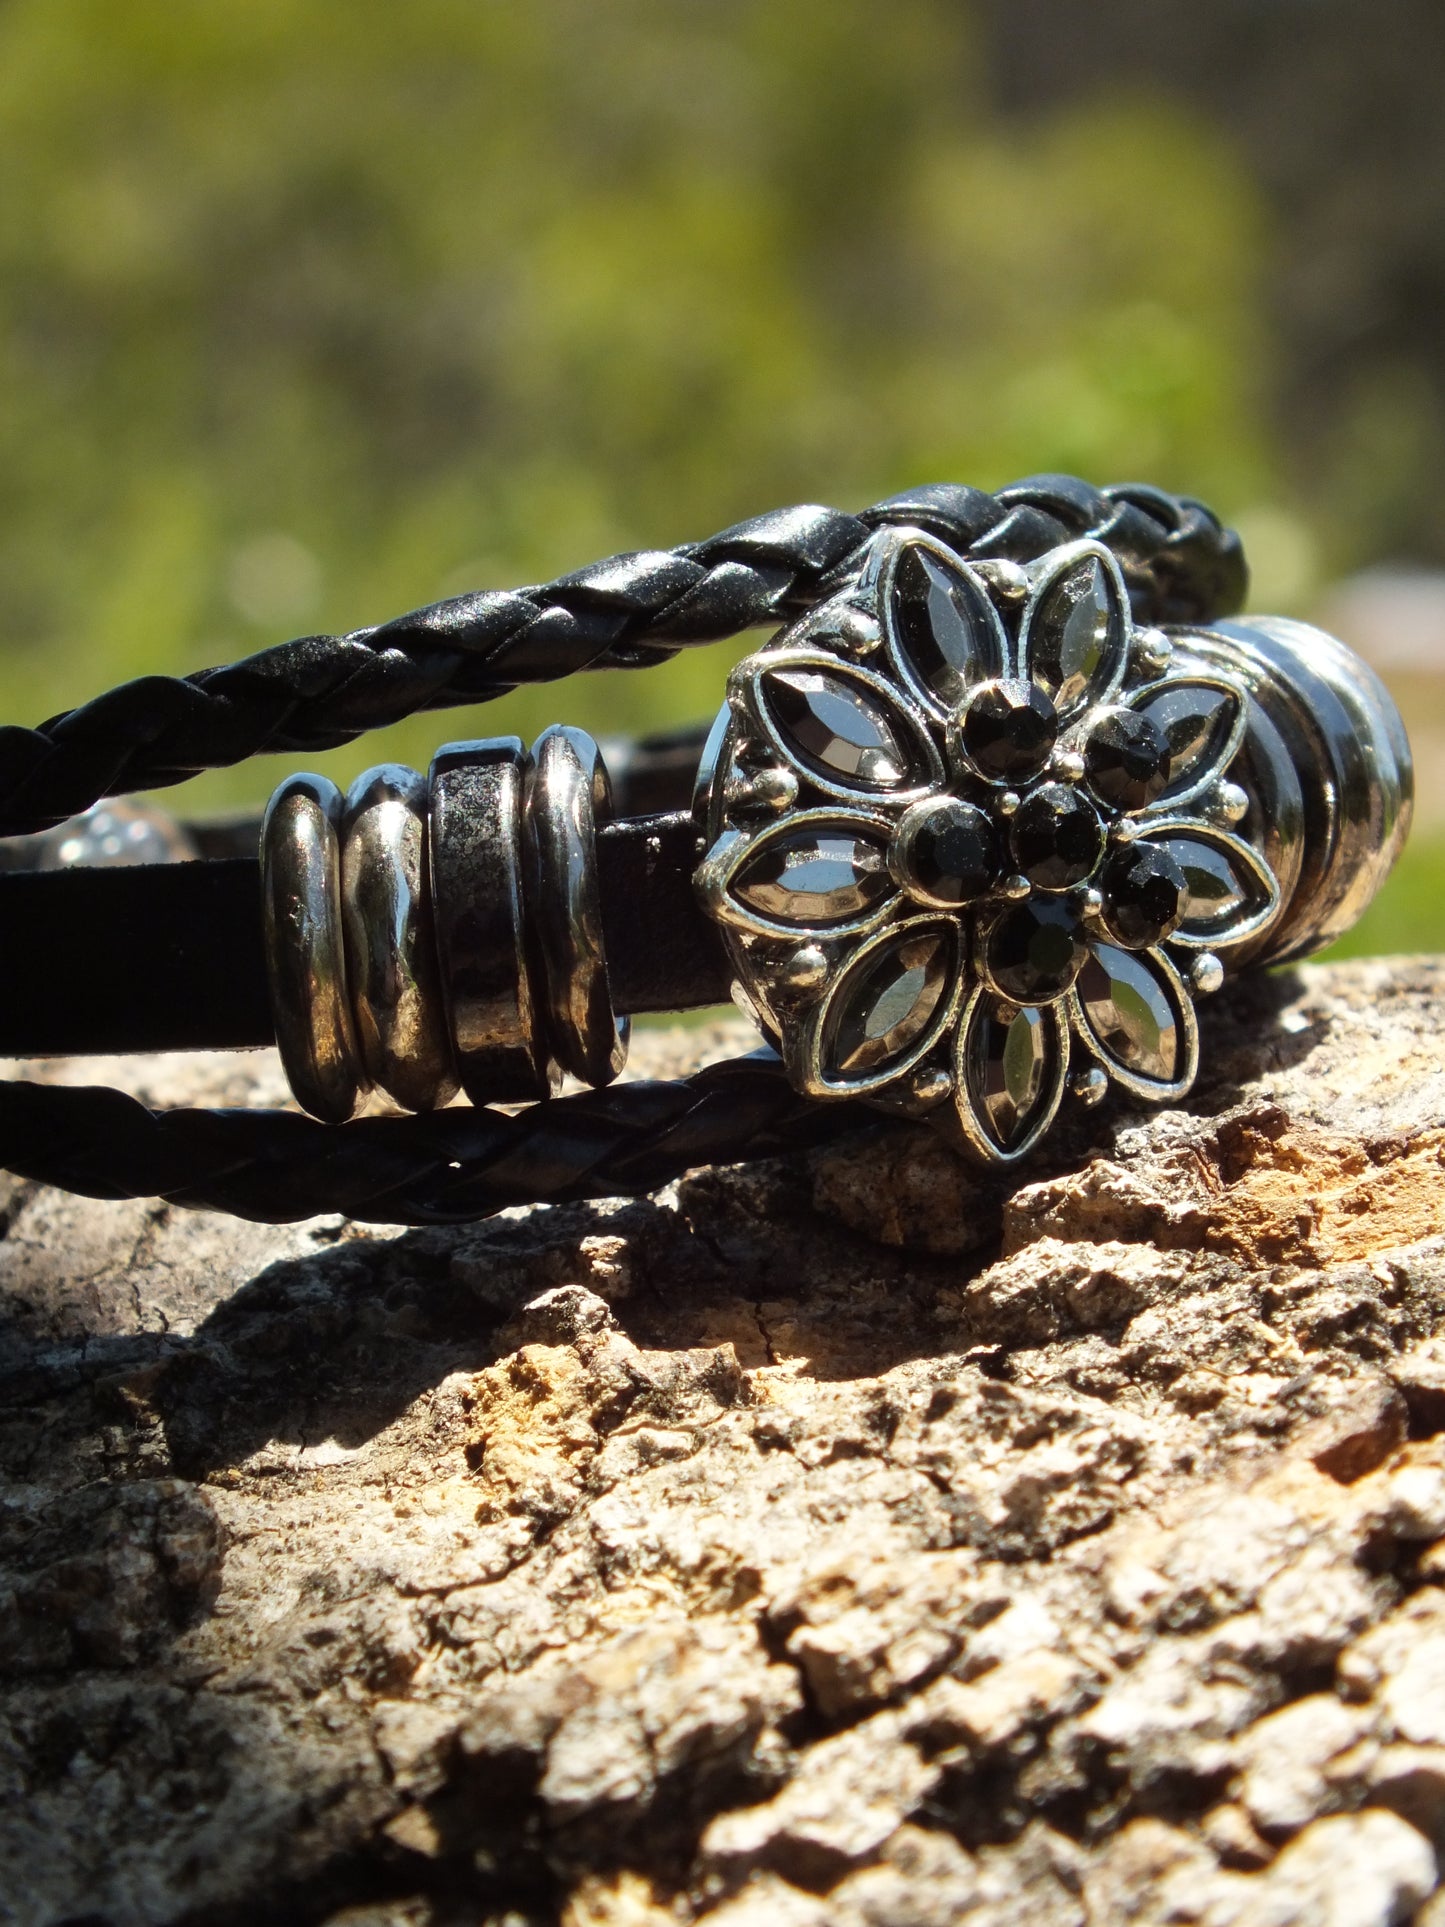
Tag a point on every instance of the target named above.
point(962, 814)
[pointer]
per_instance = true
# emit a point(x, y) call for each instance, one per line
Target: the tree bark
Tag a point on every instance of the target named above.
point(852, 1539)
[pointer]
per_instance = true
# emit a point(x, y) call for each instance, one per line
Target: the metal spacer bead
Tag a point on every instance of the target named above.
point(568, 794)
point(386, 917)
point(475, 844)
point(305, 950)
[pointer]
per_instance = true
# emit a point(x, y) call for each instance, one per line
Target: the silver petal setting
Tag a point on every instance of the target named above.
point(874, 960)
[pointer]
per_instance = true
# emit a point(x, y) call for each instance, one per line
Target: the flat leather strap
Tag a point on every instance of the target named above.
point(169, 956)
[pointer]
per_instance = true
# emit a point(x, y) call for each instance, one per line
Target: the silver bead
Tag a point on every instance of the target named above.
point(858, 630)
point(1069, 764)
point(386, 914)
point(771, 788)
point(1229, 804)
point(1091, 1087)
point(475, 846)
point(567, 794)
point(305, 953)
point(805, 969)
point(1206, 973)
point(1007, 580)
point(1007, 802)
point(1155, 649)
point(1016, 888)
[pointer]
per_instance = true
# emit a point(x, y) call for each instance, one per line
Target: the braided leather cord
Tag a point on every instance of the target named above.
point(322, 691)
point(447, 1168)
point(319, 692)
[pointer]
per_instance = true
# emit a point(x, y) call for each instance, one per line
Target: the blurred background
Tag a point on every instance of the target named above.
point(311, 314)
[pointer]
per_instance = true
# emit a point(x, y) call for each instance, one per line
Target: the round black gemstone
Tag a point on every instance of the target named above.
point(1056, 837)
point(946, 851)
point(1007, 731)
point(1127, 759)
point(1145, 893)
point(1035, 951)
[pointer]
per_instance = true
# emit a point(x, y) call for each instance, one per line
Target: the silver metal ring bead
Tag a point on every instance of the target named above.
point(568, 794)
point(305, 951)
point(1326, 766)
point(391, 963)
point(480, 912)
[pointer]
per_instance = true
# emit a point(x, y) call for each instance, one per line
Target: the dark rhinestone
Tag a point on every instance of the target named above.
point(1127, 759)
point(1035, 951)
point(890, 1001)
point(1076, 632)
point(1217, 893)
point(839, 726)
point(945, 625)
point(946, 851)
point(1131, 1013)
point(819, 876)
point(1007, 731)
point(1056, 837)
point(1145, 894)
point(1007, 1061)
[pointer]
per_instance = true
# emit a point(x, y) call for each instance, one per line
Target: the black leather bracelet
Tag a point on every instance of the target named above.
point(500, 919)
point(320, 692)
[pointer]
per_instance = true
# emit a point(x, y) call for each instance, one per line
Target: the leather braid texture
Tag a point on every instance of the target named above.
point(446, 1168)
point(321, 691)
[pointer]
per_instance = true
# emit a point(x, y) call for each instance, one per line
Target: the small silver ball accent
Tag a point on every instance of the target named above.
point(1070, 765)
point(858, 630)
point(1123, 830)
point(1230, 804)
point(1206, 973)
point(1155, 648)
point(928, 1088)
point(1006, 579)
point(1016, 888)
point(1091, 902)
point(1007, 802)
point(1091, 1087)
point(806, 969)
point(774, 789)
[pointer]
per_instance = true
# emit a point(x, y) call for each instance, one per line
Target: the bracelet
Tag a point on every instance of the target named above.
point(1004, 794)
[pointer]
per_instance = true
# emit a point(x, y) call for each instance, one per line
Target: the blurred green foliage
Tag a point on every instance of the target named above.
point(310, 314)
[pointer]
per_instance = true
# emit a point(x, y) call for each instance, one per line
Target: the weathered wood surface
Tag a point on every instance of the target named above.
point(848, 1541)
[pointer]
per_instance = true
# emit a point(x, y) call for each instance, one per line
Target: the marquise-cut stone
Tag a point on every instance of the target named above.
point(1195, 721)
point(889, 1001)
point(945, 625)
point(815, 877)
point(1130, 1012)
point(1216, 894)
point(1076, 634)
point(837, 728)
point(1007, 1070)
